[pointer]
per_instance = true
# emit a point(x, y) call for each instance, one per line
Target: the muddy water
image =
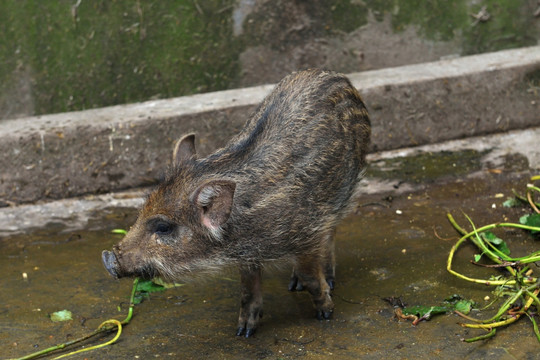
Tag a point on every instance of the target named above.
point(380, 253)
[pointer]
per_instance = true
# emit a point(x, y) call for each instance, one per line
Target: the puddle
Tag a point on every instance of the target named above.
point(380, 253)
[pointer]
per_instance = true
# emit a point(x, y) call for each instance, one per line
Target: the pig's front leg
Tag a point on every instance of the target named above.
point(251, 300)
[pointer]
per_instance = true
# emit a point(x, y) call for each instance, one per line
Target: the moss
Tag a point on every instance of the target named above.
point(271, 24)
point(346, 15)
point(427, 166)
point(435, 19)
point(118, 51)
point(509, 26)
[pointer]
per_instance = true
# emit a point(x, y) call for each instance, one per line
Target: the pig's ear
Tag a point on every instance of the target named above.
point(214, 201)
point(184, 149)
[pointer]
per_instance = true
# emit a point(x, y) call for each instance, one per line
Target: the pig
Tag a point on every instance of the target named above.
point(275, 192)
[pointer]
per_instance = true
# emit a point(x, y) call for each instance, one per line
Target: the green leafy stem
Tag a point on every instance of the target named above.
point(521, 287)
point(106, 326)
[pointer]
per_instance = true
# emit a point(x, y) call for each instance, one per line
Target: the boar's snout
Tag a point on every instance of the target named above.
point(111, 263)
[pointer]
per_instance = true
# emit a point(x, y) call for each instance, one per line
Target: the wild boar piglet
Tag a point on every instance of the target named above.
point(276, 191)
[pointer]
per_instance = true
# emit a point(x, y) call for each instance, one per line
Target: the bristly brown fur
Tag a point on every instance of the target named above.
point(277, 190)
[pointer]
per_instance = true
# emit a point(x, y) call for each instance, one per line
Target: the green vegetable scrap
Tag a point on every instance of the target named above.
point(63, 315)
point(119, 231)
point(518, 287)
point(146, 287)
point(531, 220)
point(494, 242)
point(464, 306)
point(512, 202)
point(417, 313)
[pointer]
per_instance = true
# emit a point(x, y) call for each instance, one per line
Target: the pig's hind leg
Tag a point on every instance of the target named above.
point(315, 273)
point(328, 263)
point(311, 275)
point(251, 300)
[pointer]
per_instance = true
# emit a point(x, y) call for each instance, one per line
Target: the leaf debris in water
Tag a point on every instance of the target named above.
point(63, 315)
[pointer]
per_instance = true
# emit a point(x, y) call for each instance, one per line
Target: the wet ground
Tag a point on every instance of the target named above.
point(396, 244)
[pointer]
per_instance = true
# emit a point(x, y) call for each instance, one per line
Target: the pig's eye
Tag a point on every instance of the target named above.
point(162, 228)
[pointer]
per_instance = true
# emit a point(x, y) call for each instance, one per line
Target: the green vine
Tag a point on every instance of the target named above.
point(106, 326)
point(520, 286)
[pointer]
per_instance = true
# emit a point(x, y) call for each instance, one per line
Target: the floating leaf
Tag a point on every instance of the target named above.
point(63, 315)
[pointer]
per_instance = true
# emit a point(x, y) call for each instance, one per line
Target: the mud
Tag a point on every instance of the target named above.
point(381, 252)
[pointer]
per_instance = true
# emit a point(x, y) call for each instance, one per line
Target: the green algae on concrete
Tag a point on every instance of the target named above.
point(75, 55)
point(105, 52)
point(510, 25)
point(506, 24)
point(436, 20)
point(426, 166)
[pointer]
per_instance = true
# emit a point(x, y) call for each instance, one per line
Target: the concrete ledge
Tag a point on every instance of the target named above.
point(83, 213)
point(119, 147)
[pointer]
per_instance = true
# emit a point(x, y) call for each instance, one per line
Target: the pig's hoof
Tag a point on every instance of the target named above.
point(246, 332)
point(249, 319)
point(324, 315)
point(295, 284)
point(331, 282)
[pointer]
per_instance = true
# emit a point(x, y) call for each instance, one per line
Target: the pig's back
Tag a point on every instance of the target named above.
point(298, 160)
point(310, 117)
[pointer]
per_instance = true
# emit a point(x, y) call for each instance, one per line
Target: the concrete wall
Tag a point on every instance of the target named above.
point(107, 149)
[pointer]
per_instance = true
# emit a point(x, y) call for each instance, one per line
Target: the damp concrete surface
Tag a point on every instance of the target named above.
point(395, 244)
